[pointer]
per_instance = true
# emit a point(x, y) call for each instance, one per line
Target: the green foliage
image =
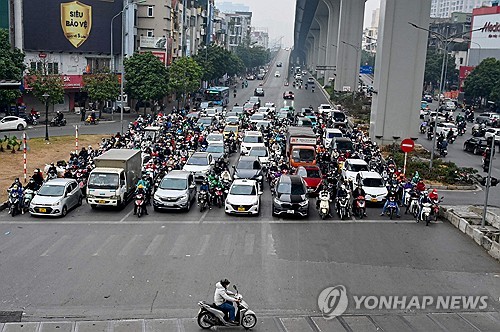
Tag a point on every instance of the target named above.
point(433, 65)
point(253, 57)
point(367, 58)
point(41, 82)
point(483, 81)
point(102, 86)
point(185, 75)
point(11, 67)
point(146, 77)
point(215, 61)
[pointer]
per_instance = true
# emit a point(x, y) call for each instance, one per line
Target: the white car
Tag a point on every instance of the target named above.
point(200, 163)
point(262, 153)
point(277, 74)
point(352, 167)
point(269, 104)
point(445, 127)
point(257, 117)
point(250, 139)
point(493, 131)
point(13, 123)
point(325, 108)
point(330, 134)
point(211, 112)
point(215, 138)
point(243, 198)
point(373, 185)
point(56, 197)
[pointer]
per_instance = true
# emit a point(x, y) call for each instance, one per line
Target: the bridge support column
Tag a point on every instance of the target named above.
point(332, 38)
point(349, 44)
point(315, 34)
point(323, 34)
point(399, 70)
point(310, 53)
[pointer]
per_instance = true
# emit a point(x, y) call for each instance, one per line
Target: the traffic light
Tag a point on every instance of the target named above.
point(494, 181)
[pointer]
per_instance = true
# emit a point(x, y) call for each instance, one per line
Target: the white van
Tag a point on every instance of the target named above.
point(330, 134)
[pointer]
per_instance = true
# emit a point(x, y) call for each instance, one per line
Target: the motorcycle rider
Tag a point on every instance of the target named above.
point(140, 191)
point(358, 191)
point(17, 183)
point(19, 190)
point(52, 169)
point(206, 188)
point(37, 176)
point(341, 193)
point(223, 299)
point(32, 185)
point(391, 194)
point(144, 182)
point(59, 117)
point(424, 199)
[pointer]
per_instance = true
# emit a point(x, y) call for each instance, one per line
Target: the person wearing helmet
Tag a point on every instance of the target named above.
point(341, 192)
point(420, 186)
point(206, 187)
point(391, 194)
point(224, 299)
point(146, 186)
point(52, 169)
point(141, 190)
point(38, 177)
point(16, 183)
point(433, 195)
point(32, 185)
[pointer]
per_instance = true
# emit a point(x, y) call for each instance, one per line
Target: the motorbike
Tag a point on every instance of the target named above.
point(443, 152)
point(359, 207)
point(312, 89)
point(91, 121)
point(324, 204)
point(210, 315)
point(423, 127)
point(56, 122)
point(51, 175)
point(343, 207)
point(426, 213)
point(82, 184)
point(391, 207)
point(28, 196)
point(14, 203)
point(139, 203)
point(203, 200)
point(219, 196)
point(451, 140)
point(414, 206)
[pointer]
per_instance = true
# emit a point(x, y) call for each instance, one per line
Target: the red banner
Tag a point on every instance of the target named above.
point(465, 71)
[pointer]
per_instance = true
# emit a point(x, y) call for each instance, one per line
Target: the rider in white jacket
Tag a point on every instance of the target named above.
point(223, 299)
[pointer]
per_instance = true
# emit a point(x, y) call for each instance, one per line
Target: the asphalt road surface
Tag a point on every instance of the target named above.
point(108, 264)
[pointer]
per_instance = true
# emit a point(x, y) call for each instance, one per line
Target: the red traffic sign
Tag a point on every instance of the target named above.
point(42, 55)
point(407, 145)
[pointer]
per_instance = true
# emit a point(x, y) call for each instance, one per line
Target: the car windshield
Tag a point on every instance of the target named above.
point(215, 148)
point(305, 123)
point(313, 173)
point(248, 164)
point(212, 112)
point(306, 155)
point(257, 117)
point(258, 152)
point(344, 145)
point(205, 120)
point(373, 182)
point(51, 190)
point(103, 181)
point(332, 135)
point(200, 161)
point(358, 168)
point(231, 129)
point(212, 137)
point(240, 189)
point(340, 117)
point(252, 139)
point(238, 109)
point(290, 189)
point(173, 184)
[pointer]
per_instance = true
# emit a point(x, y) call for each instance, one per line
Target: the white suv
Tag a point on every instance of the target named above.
point(251, 139)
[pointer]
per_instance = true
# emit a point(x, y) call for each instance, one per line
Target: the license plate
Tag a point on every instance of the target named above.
point(102, 202)
point(290, 211)
point(374, 199)
point(42, 210)
point(241, 208)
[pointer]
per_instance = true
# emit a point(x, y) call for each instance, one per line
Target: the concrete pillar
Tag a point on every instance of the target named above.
point(315, 34)
point(399, 70)
point(333, 36)
point(309, 54)
point(322, 22)
point(18, 24)
point(350, 31)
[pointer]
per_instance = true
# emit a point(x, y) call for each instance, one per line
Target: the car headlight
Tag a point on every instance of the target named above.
point(157, 197)
point(277, 201)
point(204, 170)
point(185, 196)
point(236, 176)
point(304, 203)
point(259, 177)
point(56, 203)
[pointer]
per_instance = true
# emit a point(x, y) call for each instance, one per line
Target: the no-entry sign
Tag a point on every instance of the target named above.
point(407, 145)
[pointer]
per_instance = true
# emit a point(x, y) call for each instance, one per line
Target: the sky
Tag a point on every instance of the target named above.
point(278, 16)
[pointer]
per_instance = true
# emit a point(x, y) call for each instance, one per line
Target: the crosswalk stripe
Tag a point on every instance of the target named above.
point(56, 244)
point(181, 239)
point(249, 243)
point(104, 245)
point(126, 249)
point(154, 245)
point(204, 244)
point(226, 245)
point(32, 245)
point(270, 245)
point(76, 249)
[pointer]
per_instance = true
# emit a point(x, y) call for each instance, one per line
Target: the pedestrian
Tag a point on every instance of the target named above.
point(83, 111)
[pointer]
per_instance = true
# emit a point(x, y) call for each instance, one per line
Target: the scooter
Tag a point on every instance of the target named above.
point(28, 196)
point(210, 315)
point(443, 152)
point(56, 122)
point(342, 208)
point(426, 213)
point(359, 207)
point(391, 207)
point(139, 204)
point(203, 200)
point(414, 207)
point(219, 196)
point(423, 127)
point(324, 204)
point(14, 203)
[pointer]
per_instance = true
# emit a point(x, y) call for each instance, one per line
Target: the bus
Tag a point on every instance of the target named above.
point(219, 95)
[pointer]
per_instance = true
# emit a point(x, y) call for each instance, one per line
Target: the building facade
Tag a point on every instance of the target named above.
point(259, 37)
point(485, 43)
point(444, 8)
point(239, 29)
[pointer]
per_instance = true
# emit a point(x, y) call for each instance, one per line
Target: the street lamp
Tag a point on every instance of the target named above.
point(445, 40)
point(121, 56)
point(46, 97)
point(354, 88)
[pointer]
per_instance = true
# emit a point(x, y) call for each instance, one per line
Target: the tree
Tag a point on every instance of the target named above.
point(101, 87)
point(482, 82)
point(146, 77)
point(367, 58)
point(185, 75)
point(42, 81)
point(215, 62)
point(254, 56)
point(11, 67)
point(433, 65)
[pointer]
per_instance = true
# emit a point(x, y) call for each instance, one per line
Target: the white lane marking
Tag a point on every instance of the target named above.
point(101, 248)
point(127, 215)
point(270, 245)
point(155, 244)
point(56, 244)
point(178, 245)
point(76, 250)
point(31, 245)
point(204, 244)
point(126, 249)
point(202, 218)
point(226, 245)
point(249, 243)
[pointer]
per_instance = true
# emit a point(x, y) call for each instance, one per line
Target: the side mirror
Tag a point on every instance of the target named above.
point(260, 192)
point(234, 167)
point(235, 288)
point(192, 186)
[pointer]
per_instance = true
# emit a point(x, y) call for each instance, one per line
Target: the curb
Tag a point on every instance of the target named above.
point(473, 231)
point(453, 187)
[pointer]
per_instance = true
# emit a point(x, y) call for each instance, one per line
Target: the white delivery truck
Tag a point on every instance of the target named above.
point(112, 182)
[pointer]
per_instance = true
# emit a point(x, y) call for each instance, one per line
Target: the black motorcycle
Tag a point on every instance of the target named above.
point(203, 200)
point(56, 122)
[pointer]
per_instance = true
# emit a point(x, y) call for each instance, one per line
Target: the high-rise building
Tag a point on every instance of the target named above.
point(259, 37)
point(239, 29)
point(444, 8)
point(375, 18)
point(230, 7)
